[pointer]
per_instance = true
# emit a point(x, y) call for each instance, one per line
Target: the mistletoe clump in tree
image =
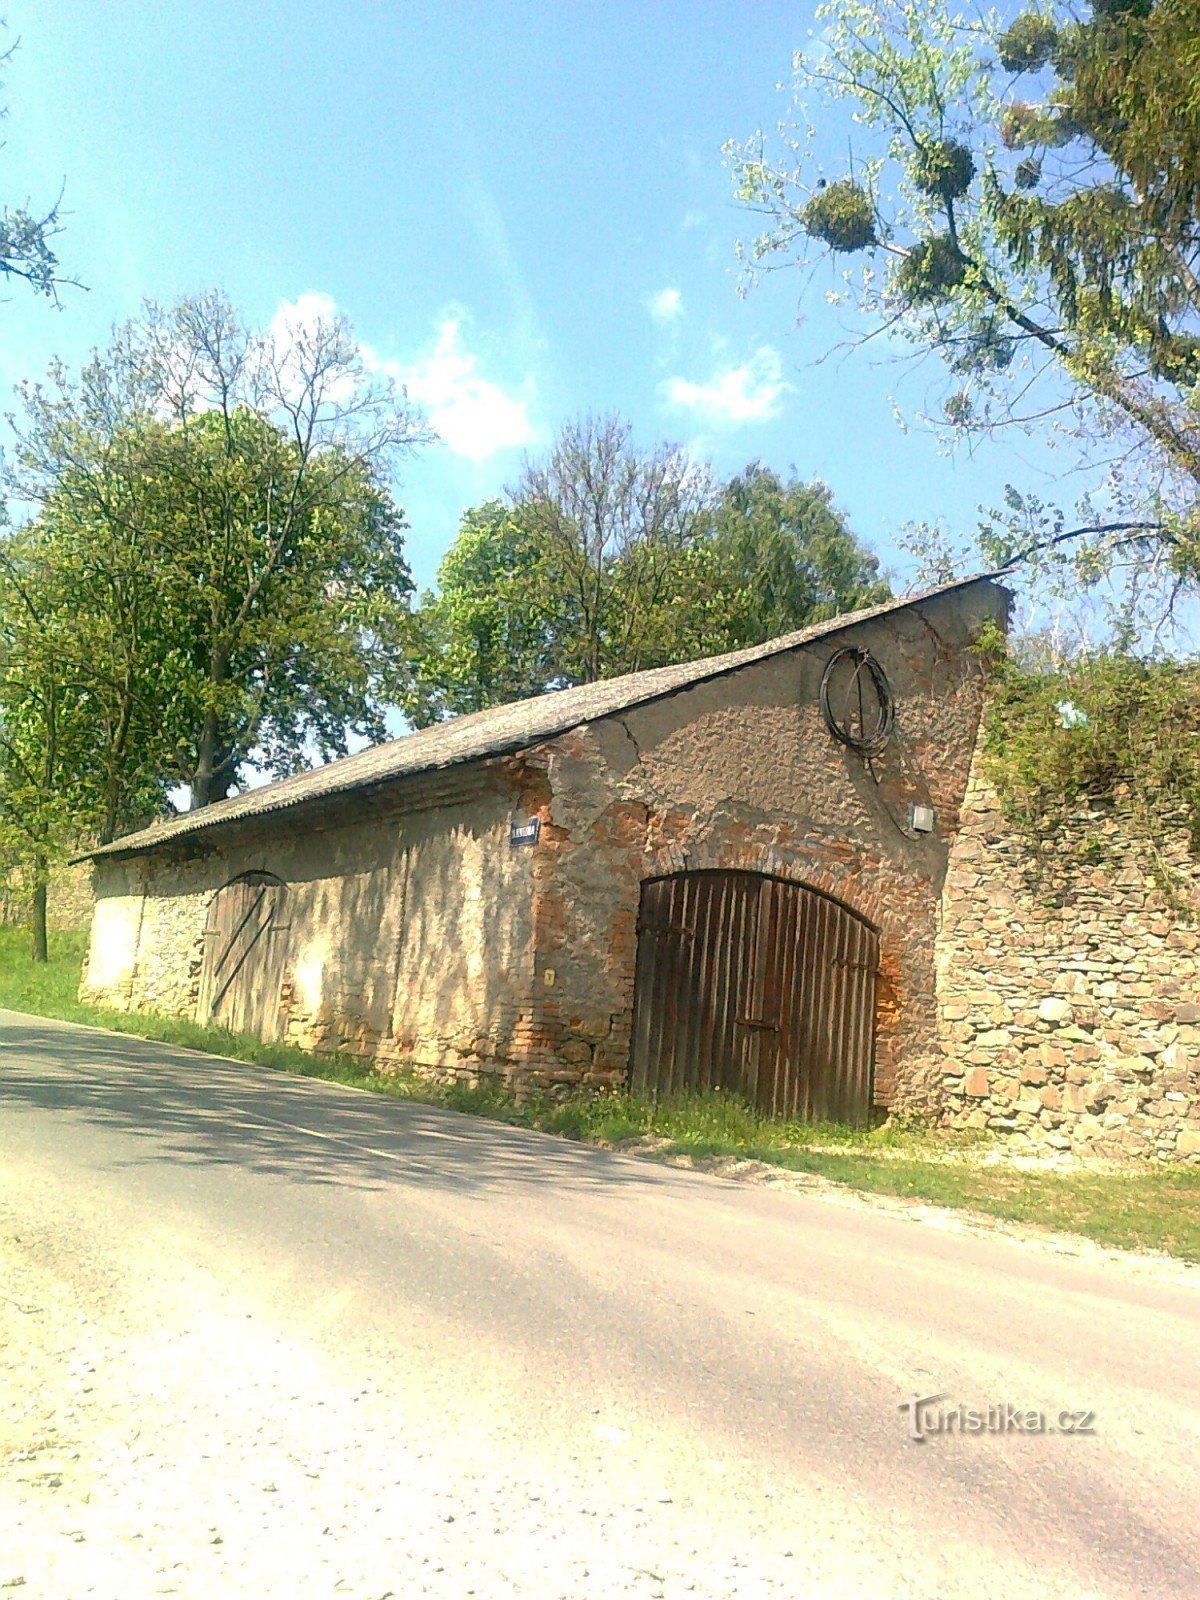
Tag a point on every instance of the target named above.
point(1023, 198)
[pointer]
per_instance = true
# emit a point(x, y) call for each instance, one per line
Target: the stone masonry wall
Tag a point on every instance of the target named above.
point(1069, 986)
point(69, 899)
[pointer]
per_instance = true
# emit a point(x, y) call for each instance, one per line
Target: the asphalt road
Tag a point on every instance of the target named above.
point(263, 1336)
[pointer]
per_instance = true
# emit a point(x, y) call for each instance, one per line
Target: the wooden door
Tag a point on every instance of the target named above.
point(245, 948)
point(756, 986)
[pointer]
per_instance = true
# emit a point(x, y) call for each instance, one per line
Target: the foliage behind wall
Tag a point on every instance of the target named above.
point(1108, 727)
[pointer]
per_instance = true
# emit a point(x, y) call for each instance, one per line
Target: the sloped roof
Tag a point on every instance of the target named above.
point(500, 730)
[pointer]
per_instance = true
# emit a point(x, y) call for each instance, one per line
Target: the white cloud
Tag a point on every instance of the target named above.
point(302, 316)
point(664, 306)
point(749, 393)
point(473, 415)
point(292, 333)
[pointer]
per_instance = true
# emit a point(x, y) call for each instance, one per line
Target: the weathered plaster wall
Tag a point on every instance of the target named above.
point(409, 931)
point(464, 972)
point(419, 933)
point(742, 772)
point(1069, 986)
point(108, 972)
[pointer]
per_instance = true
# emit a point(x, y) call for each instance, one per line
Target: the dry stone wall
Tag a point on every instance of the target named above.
point(1069, 984)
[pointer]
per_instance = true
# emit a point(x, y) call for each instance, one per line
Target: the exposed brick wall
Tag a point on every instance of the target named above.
point(1069, 986)
point(742, 773)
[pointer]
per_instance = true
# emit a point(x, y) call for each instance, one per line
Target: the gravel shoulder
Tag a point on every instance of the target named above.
point(164, 1434)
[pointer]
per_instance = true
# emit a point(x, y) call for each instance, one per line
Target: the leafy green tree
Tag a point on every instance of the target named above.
point(490, 631)
point(226, 495)
point(213, 581)
point(574, 577)
point(611, 523)
point(1020, 197)
point(100, 585)
point(44, 729)
point(59, 689)
point(786, 557)
point(606, 561)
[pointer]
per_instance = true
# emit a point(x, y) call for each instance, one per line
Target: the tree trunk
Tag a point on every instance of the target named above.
point(214, 776)
point(107, 831)
point(204, 784)
point(37, 914)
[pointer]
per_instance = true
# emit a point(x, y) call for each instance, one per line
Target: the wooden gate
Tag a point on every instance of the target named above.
point(757, 986)
point(245, 947)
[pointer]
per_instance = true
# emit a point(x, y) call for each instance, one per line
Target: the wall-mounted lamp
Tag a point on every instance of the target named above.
point(921, 819)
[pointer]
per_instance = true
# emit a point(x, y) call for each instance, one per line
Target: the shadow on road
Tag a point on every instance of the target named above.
point(829, 1414)
point(203, 1109)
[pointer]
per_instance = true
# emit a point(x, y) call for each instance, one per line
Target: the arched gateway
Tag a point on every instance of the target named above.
point(758, 986)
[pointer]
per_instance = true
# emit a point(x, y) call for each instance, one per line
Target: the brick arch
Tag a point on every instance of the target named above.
point(844, 887)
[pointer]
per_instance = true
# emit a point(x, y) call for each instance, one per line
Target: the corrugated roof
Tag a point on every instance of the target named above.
point(498, 731)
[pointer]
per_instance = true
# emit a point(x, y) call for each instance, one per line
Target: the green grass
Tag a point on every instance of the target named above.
point(47, 990)
point(1137, 1208)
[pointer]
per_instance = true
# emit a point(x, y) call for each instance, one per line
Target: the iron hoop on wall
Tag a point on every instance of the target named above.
point(864, 722)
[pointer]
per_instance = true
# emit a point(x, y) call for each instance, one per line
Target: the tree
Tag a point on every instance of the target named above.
point(45, 728)
point(213, 579)
point(605, 560)
point(490, 632)
point(1025, 204)
point(574, 577)
point(610, 523)
point(26, 252)
point(227, 495)
point(786, 557)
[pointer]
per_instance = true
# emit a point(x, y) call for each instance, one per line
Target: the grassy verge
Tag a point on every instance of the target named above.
point(1134, 1209)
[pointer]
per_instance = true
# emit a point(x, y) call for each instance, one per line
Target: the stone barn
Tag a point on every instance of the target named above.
point(722, 874)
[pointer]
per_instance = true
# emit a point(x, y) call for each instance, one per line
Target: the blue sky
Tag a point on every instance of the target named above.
point(521, 207)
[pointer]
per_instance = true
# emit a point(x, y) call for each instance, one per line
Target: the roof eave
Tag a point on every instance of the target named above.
point(144, 840)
